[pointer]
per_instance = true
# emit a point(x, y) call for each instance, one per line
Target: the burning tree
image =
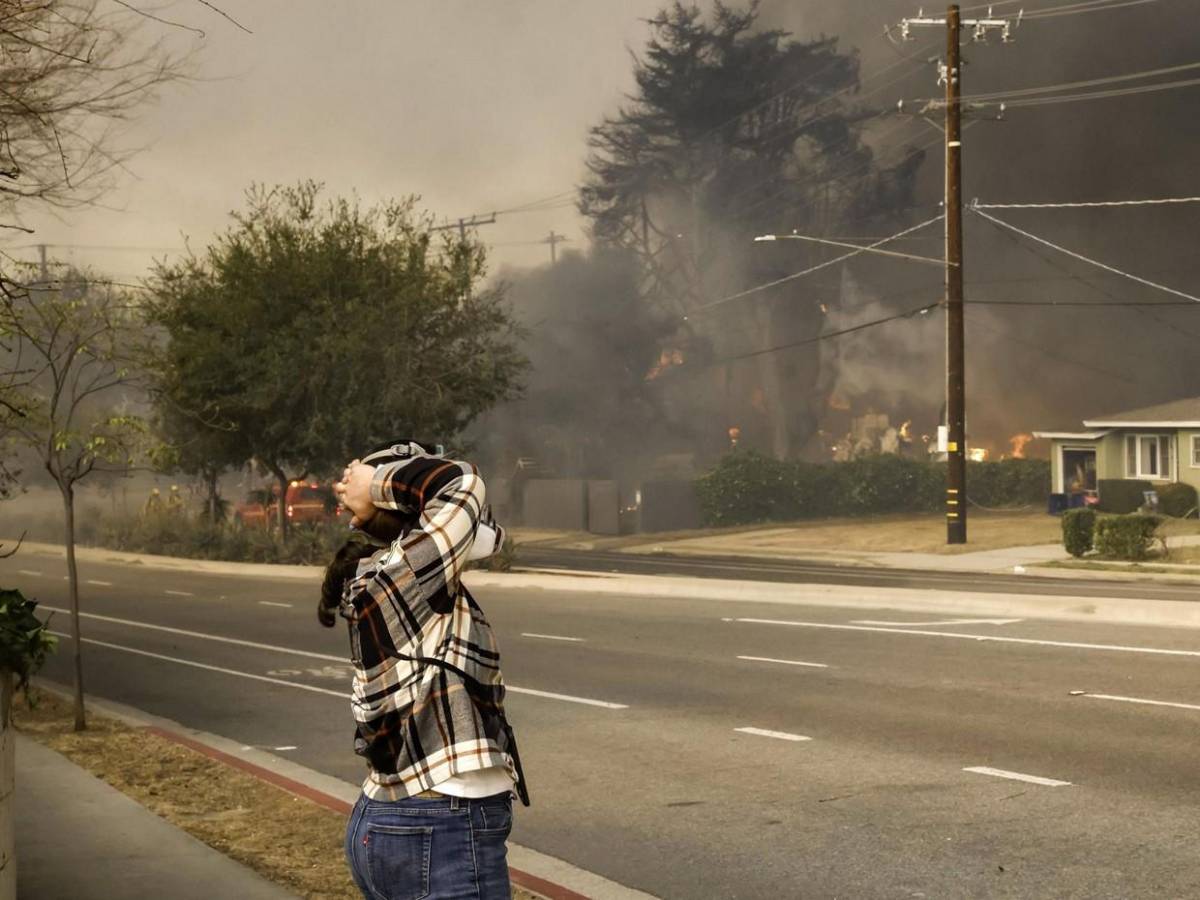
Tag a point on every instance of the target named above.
point(732, 131)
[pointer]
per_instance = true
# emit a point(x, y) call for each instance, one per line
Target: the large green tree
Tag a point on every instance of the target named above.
point(311, 330)
point(733, 131)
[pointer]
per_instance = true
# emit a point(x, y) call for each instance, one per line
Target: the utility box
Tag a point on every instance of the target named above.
point(604, 507)
point(669, 505)
point(558, 503)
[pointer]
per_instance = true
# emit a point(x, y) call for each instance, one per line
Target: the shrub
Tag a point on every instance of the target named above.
point(1009, 482)
point(1079, 527)
point(25, 640)
point(748, 487)
point(1126, 537)
point(1122, 495)
point(1177, 500)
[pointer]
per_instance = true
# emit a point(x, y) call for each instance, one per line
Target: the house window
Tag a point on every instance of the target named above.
point(1196, 451)
point(1149, 456)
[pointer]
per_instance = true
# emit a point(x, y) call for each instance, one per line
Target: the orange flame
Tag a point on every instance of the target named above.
point(1017, 444)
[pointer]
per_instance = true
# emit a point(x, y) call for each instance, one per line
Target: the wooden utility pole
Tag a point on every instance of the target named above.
point(956, 399)
point(956, 394)
point(554, 240)
point(463, 224)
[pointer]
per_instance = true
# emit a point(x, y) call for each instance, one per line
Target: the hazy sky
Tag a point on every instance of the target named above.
point(475, 106)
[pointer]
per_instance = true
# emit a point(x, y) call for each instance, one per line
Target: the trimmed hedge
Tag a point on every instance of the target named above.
point(1126, 537)
point(746, 487)
point(1122, 495)
point(1079, 527)
point(1177, 500)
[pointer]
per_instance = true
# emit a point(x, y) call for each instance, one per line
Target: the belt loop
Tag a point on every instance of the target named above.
point(454, 803)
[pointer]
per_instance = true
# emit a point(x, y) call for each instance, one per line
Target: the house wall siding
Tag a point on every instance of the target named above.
point(1187, 472)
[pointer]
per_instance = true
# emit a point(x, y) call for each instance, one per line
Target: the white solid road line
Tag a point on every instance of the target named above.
point(201, 635)
point(976, 637)
point(786, 662)
point(1016, 776)
point(257, 646)
point(199, 665)
point(552, 637)
point(99, 583)
point(179, 593)
point(779, 735)
point(603, 704)
point(27, 572)
point(1142, 700)
point(273, 603)
point(942, 622)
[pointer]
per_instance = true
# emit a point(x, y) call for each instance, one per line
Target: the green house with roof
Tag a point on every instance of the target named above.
point(1159, 444)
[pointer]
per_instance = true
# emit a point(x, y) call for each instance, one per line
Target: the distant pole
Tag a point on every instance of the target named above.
point(43, 268)
point(956, 403)
point(554, 240)
point(464, 223)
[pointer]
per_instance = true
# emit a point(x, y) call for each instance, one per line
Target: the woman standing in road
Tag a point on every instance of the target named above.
point(428, 699)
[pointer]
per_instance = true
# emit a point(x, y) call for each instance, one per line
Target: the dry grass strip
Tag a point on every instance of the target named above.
point(287, 839)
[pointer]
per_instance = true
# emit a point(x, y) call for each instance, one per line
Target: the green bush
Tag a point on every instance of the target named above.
point(1122, 495)
point(25, 641)
point(1009, 482)
point(746, 487)
point(1177, 500)
point(1079, 527)
point(1128, 537)
point(173, 533)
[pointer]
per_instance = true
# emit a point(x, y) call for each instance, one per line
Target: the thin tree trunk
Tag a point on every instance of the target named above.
point(68, 495)
point(281, 505)
point(214, 496)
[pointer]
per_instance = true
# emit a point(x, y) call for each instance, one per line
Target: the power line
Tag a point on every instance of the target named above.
point(1091, 82)
point(1090, 7)
point(1086, 259)
point(818, 267)
point(1056, 263)
point(1094, 204)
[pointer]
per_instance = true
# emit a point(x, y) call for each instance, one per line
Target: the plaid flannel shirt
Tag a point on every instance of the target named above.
point(428, 696)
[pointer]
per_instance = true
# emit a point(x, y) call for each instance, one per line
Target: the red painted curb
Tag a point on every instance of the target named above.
point(547, 889)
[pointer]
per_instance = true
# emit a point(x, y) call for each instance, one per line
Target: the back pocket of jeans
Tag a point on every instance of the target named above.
point(398, 861)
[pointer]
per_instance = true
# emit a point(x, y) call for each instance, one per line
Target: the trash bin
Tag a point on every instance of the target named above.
point(1057, 504)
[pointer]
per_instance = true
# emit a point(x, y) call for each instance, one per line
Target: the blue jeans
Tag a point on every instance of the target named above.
point(443, 848)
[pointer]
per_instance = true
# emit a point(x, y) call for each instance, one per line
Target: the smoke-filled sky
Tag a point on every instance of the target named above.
point(480, 106)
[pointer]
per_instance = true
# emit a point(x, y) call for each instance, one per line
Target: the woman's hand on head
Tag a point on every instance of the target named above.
point(354, 492)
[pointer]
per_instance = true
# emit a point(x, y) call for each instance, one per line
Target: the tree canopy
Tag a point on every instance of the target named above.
point(310, 331)
point(733, 131)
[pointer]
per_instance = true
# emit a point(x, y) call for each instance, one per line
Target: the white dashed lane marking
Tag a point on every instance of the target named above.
point(28, 572)
point(178, 594)
point(1016, 776)
point(551, 637)
point(784, 662)
point(273, 603)
point(99, 583)
point(778, 735)
point(1141, 700)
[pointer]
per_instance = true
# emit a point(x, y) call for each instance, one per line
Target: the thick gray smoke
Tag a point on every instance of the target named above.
point(1034, 366)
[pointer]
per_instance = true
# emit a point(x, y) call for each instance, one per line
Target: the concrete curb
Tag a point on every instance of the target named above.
point(547, 876)
point(175, 563)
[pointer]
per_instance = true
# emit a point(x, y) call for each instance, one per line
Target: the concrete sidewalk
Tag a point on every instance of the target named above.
point(79, 839)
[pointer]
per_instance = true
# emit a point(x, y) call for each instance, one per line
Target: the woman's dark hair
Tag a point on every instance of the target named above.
point(385, 526)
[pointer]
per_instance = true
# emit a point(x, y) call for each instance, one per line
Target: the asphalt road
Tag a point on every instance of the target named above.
point(853, 780)
point(805, 572)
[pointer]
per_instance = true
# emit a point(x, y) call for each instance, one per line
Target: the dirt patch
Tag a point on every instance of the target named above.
point(286, 839)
